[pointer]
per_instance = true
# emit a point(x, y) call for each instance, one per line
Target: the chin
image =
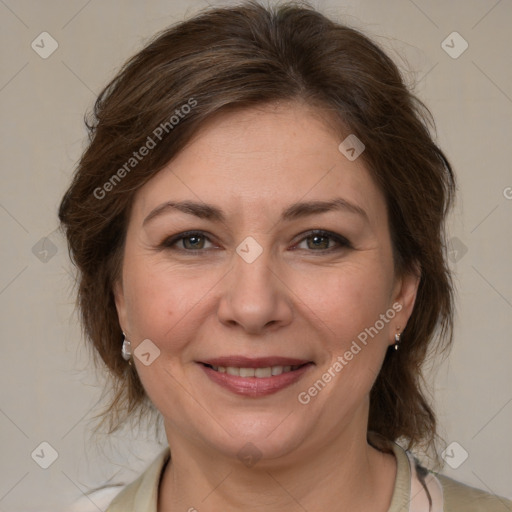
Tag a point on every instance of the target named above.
point(258, 436)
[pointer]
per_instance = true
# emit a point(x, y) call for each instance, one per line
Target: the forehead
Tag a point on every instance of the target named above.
point(275, 154)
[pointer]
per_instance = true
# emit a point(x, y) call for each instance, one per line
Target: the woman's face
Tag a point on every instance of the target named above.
point(273, 251)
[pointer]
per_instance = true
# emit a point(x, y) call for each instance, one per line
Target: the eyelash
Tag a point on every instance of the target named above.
point(170, 243)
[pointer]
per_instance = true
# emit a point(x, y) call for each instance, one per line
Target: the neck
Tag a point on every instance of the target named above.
point(343, 474)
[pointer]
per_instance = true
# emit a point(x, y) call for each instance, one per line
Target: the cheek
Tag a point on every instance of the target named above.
point(347, 299)
point(161, 305)
point(164, 300)
point(353, 335)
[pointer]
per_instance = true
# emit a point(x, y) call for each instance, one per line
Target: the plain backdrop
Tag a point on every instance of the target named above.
point(49, 388)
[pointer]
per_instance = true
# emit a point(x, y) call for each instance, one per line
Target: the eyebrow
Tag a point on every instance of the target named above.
point(294, 211)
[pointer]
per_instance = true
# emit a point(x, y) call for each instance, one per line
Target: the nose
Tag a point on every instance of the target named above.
point(255, 296)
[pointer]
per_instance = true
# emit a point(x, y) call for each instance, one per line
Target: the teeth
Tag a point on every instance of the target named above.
point(277, 370)
point(246, 372)
point(260, 373)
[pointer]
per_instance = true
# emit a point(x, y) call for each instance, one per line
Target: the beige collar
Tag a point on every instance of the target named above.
point(409, 494)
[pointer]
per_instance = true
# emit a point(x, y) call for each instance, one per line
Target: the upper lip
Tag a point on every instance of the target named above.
point(248, 362)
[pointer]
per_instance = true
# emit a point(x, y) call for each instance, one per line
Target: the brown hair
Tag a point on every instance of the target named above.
point(237, 57)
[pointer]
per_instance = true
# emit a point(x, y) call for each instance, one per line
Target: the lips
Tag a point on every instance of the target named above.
point(255, 377)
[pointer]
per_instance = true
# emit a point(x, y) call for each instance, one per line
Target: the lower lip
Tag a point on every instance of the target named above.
point(255, 386)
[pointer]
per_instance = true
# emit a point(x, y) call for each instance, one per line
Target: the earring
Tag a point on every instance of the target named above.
point(397, 340)
point(126, 350)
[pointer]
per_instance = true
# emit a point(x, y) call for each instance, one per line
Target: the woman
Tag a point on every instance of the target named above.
point(258, 225)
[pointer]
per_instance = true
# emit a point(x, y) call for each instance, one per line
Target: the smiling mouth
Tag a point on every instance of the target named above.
point(255, 378)
point(261, 373)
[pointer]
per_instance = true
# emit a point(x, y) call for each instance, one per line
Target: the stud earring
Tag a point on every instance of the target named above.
point(397, 340)
point(126, 349)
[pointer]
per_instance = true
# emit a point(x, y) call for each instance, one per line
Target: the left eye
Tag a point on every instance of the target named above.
point(323, 241)
point(194, 242)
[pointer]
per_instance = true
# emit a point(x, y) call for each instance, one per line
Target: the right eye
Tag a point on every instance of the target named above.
point(190, 241)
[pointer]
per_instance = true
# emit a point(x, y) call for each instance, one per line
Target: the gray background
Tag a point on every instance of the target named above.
point(48, 386)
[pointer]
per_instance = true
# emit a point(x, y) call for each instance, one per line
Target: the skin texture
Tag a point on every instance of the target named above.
point(294, 300)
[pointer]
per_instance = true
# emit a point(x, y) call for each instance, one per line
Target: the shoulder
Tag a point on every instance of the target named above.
point(459, 497)
point(142, 494)
point(96, 500)
point(419, 489)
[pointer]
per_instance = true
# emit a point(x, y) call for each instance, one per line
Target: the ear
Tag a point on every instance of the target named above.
point(404, 293)
point(120, 301)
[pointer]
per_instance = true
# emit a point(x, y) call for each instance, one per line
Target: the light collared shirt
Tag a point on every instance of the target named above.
point(409, 493)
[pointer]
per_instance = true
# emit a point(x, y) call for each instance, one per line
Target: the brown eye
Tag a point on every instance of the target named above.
point(187, 242)
point(193, 242)
point(319, 241)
